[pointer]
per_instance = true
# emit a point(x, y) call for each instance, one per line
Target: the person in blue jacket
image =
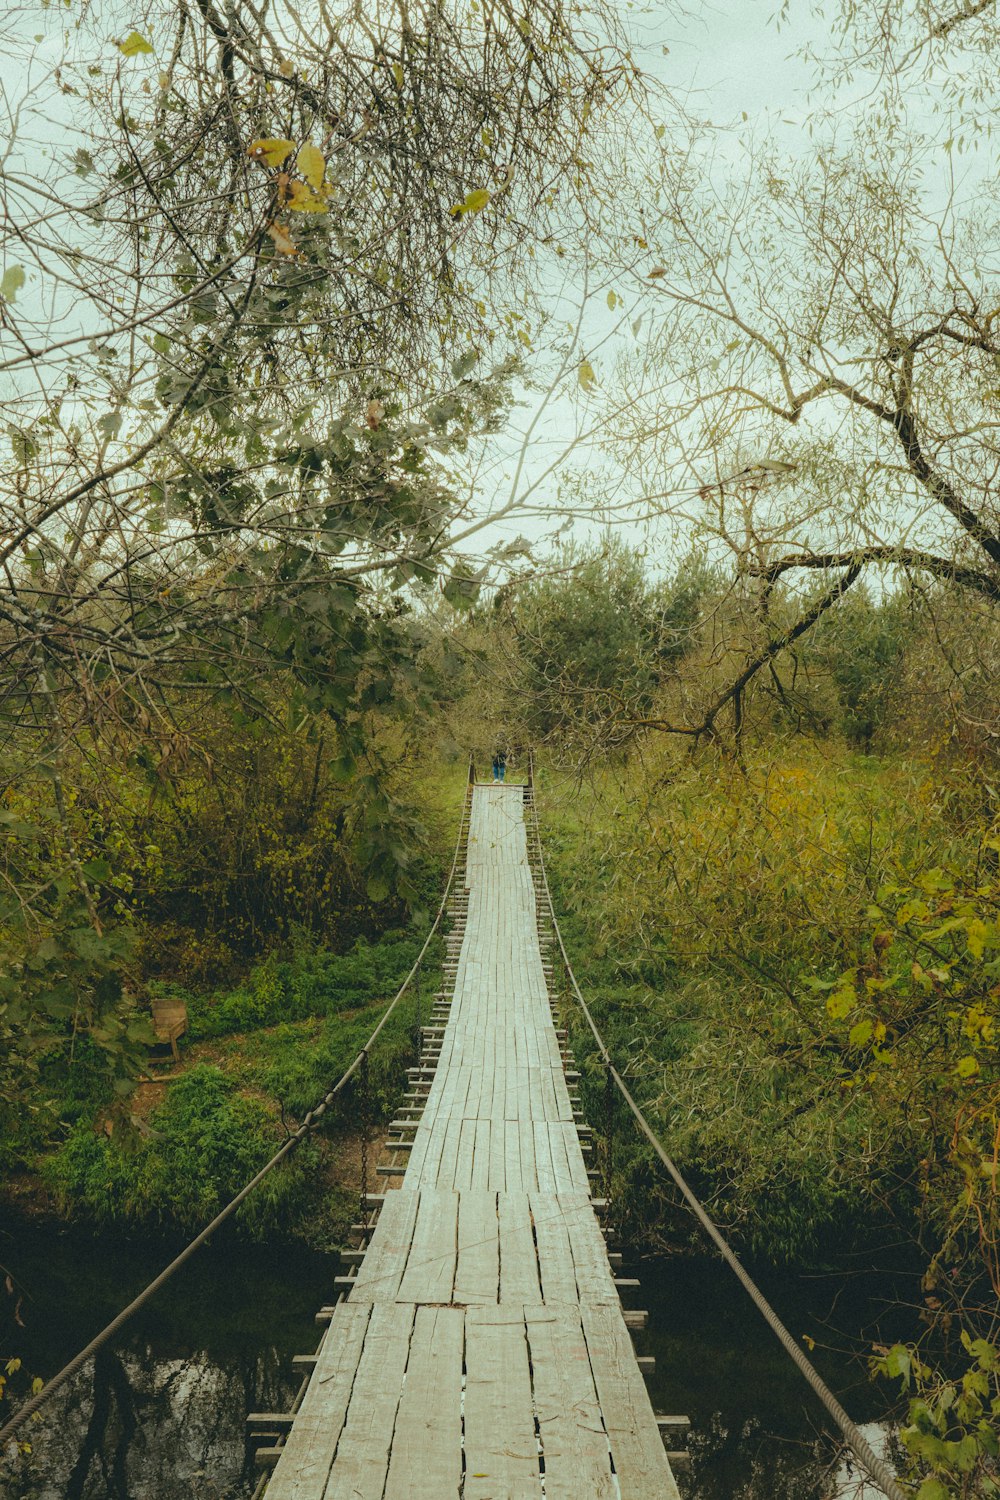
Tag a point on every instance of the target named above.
point(499, 764)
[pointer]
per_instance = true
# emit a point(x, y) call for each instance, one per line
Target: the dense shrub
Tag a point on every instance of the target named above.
point(739, 932)
point(296, 1064)
point(309, 983)
point(595, 636)
point(203, 1143)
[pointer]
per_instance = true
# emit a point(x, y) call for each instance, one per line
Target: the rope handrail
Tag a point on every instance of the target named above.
point(853, 1436)
point(310, 1120)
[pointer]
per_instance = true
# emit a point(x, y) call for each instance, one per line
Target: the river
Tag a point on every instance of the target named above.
point(162, 1414)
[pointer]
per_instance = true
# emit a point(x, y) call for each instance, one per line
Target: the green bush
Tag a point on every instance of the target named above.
point(204, 1142)
point(297, 1069)
point(308, 983)
point(595, 634)
point(711, 909)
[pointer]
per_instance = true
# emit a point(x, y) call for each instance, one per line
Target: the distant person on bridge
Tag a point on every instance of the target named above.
point(499, 765)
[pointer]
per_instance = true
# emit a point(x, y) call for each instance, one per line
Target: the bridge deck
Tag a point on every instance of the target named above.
point(482, 1352)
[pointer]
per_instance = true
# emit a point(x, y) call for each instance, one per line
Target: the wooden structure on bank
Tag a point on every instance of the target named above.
point(170, 1021)
point(479, 1349)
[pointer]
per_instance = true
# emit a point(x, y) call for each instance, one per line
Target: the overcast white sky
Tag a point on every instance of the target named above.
point(728, 57)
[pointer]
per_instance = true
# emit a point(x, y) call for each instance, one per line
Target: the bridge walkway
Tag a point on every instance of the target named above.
point(481, 1352)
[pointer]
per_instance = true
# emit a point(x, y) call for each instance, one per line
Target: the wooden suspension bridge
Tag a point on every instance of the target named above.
point(479, 1348)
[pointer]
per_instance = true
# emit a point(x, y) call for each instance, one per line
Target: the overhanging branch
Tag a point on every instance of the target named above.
point(774, 648)
point(904, 557)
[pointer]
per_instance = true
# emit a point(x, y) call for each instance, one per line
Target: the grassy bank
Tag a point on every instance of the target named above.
point(167, 1155)
point(146, 1145)
point(791, 960)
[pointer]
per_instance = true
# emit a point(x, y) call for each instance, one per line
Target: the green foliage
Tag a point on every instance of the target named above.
point(63, 1010)
point(797, 964)
point(278, 1043)
point(219, 1122)
point(860, 647)
point(916, 1024)
point(202, 1145)
point(952, 1435)
point(730, 897)
point(322, 846)
point(296, 1063)
point(309, 983)
point(595, 636)
point(176, 884)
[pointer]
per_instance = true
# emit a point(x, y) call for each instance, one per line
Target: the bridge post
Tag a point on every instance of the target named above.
point(364, 1099)
point(418, 1023)
point(609, 1127)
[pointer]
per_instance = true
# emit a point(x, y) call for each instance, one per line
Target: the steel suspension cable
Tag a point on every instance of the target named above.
point(310, 1120)
point(852, 1434)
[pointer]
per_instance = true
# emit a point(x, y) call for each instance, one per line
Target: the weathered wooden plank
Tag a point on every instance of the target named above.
point(544, 1170)
point(555, 1257)
point(498, 1148)
point(466, 1155)
point(526, 1138)
point(579, 1180)
point(430, 1268)
point(574, 1443)
point(426, 1461)
point(362, 1458)
point(429, 1169)
point(564, 1144)
point(385, 1259)
point(512, 1157)
point(477, 1279)
point(481, 1155)
point(447, 1169)
point(518, 1261)
point(636, 1446)
point(307, 1457)
point(501, 1450)
point(594, 1279)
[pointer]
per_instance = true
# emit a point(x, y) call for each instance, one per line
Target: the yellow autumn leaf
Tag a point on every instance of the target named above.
point(976, 934)
point(11, 283)
point(840, 1004)
point(612, 300)
point(271, 153)
point(279, 234)
point(397, 73)
point(312, 164)
point(472, 204)
point(302, 200)
point(585, 375)
point(133, 44)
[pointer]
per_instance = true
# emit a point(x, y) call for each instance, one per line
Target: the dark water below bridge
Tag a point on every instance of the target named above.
point(161, 1416)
